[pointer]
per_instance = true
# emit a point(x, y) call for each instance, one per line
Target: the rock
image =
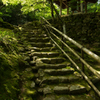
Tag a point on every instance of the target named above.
point(47, 90)
point(28, 69)
point(41, 72)
point(77, 74)
point(58, 71)
point(63, 98)
point(31, 92)
point(34, 58)
point(38, 61)
point(51, 97)
point(27, 59)
point(33, 84)
point(33, 63)
point(21, 49)
point(40, 90)
point(77, 89)
point(37, 81)
point(61, 89)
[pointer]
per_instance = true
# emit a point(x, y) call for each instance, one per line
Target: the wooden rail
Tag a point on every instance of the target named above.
point(49, 28)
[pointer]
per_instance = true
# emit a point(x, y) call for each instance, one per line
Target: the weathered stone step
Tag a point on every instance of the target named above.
point(39, 35)
point(41, 44)
point(46, 39)
point(74, 89)
point(52, 60)
point(65, 96)
point(43, 49)
point(44, 54)
point(59, 71)
point(53, 66)
point(70, 89)
point(59, 79)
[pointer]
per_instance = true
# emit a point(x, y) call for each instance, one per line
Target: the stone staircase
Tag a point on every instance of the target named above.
point(55, 79)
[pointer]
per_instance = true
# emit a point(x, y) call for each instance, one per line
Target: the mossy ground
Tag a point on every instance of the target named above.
point(12, 64)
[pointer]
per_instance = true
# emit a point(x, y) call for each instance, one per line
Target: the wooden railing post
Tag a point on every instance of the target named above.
point(64, 31)
point(82, 56)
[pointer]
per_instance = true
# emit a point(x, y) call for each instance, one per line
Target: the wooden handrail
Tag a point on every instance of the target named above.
point(93, 55)
point(90, 53)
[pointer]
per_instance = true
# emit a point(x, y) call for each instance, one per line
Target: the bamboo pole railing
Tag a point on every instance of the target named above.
point(48, 26)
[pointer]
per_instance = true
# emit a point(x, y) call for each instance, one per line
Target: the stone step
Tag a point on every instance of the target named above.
point(41, 44)
point(55, 60)
point(53, 66)
point(70, 89)
point(56, 72)
point(43, 49)
point(44, 54)
point(74, 89)
point(59, 79)
point(65, 96)
point(39, 35)
point(39, 39)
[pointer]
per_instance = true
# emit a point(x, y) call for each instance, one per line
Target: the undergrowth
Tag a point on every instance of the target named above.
point(10, 63)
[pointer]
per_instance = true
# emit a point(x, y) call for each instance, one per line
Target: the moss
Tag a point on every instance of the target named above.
point(31, 92)
point(28, 74)
point(1, 20)
point(6, 25)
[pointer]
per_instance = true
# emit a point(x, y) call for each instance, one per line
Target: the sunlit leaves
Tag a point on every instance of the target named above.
point(28, 5)
point(11, 1)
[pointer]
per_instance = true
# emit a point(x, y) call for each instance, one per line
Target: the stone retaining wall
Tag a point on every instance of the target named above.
point(81, 27)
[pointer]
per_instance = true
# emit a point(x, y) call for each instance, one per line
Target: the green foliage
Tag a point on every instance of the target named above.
point(12, 13)
point(10, 60)
point(92, 7)
point(19, 11)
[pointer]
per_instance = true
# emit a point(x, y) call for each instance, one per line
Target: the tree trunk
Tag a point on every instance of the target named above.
point(59, 17)
point(52, 14)
point(81, 5)
point(60, 13)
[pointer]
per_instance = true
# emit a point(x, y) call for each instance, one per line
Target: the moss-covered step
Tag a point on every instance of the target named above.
point(56, 72)
point(55, 60)
point(74, 89)
point(39, 35)
point(41, 44)
point(59, 79)
point(53, 66)
point(44, 54)
point(46, 39)
point(83, 96)
point(42, 49)
point(61, 90)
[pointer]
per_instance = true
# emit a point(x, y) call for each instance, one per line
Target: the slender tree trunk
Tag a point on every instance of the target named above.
point(59, 17)
point(52, 14)
point(60, 13)
point(81, 5)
